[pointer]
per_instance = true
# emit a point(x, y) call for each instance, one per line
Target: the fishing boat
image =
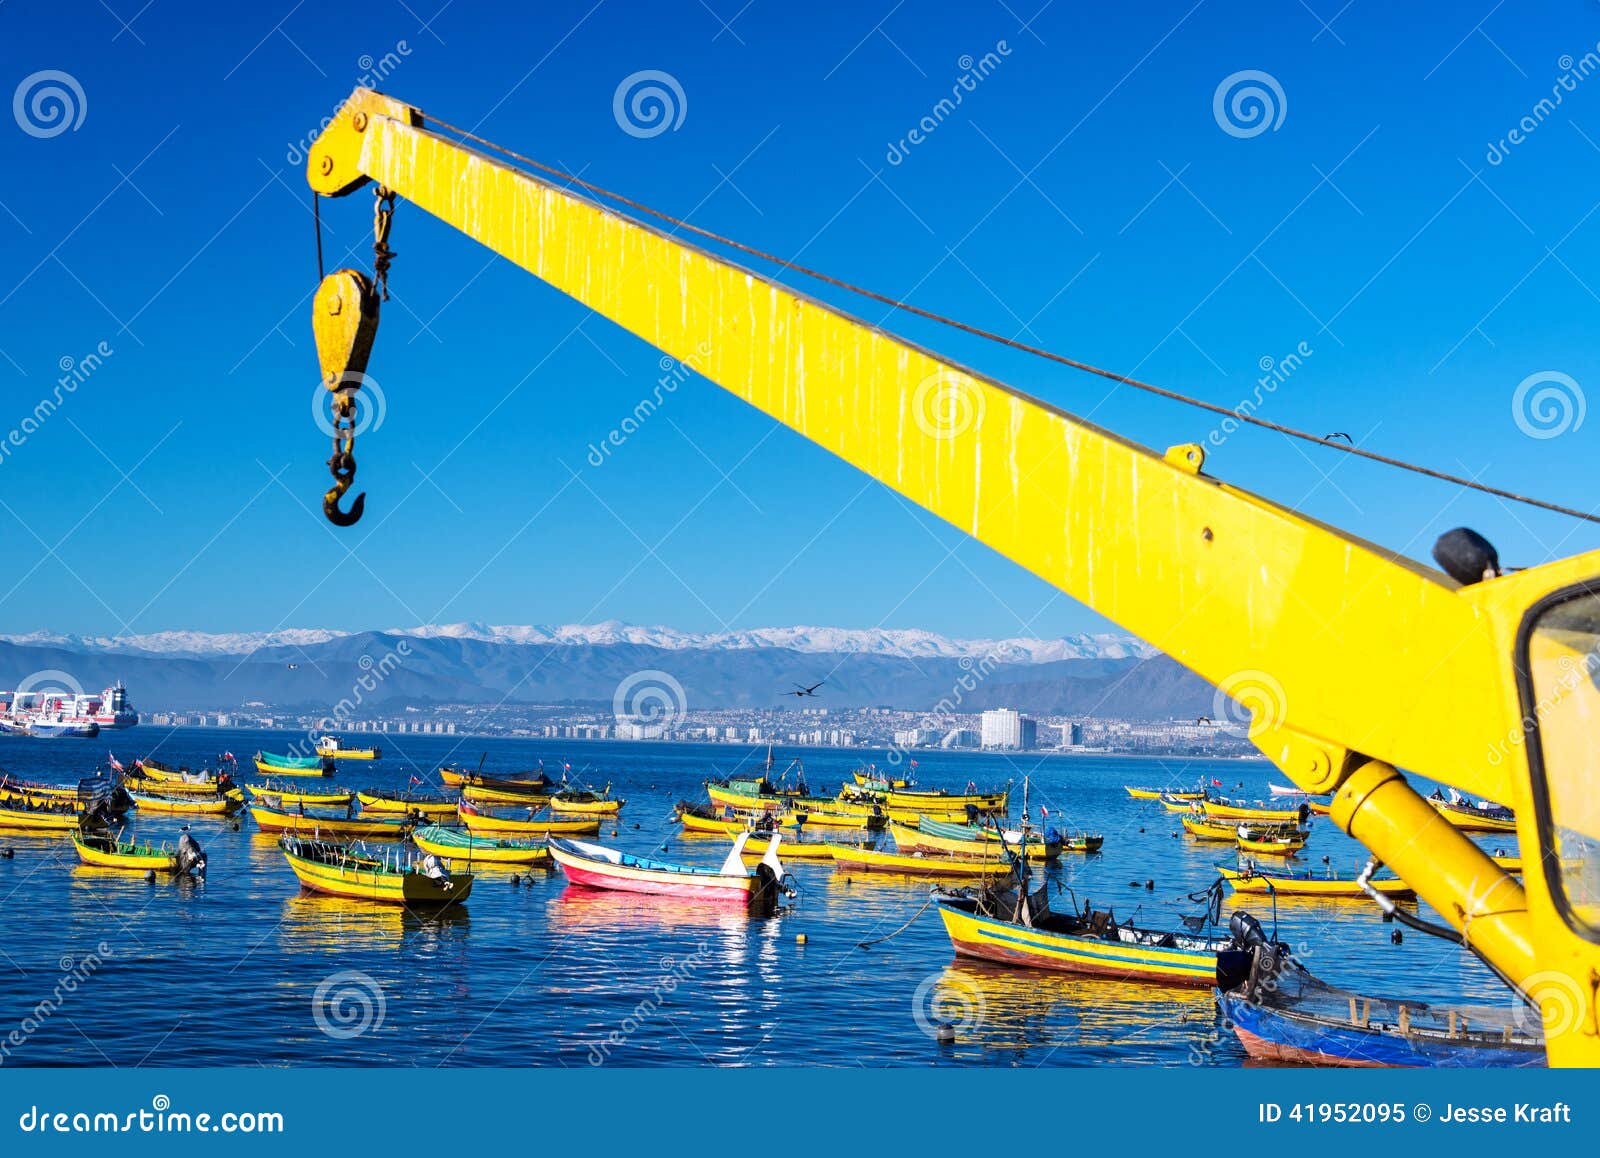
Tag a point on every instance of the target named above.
point(1282, 1013)
point(872, 778)
point(406, 803)
point(1180, 802)
point(1197, 826)
point(331, 748)
point(939, 800)
point(587, 803)
point(458, 844)
point(487, 823)
point(224, 804)
point(702, 818)
point(102, 850)
point(277, 795)
point(188, 784)
point(1285, 883)
point(1139, 793)
point(595, 866)
point(531, 784)
point(40, 816)
point(269, 764)
point(1483, 816)
point(965, 840)
point(315, 824)
point(1271, 840)
point(348, 871)
point(1086, 842)
point(749, 795)
point(1258, 812)
point(922, 865)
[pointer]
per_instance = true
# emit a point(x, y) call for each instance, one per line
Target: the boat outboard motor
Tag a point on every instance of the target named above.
point(433, 868)
point(191, 857)
point(1251, 948)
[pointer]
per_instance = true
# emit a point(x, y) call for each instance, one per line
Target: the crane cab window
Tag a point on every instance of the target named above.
point(1561, 684)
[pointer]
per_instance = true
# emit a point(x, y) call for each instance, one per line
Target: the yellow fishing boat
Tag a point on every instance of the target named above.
point(1202, 829)
point(913, 840)
point(537, 785)
point(587, 803)
point(268, 769)
point(406, 804)
point(344, 872)
point(498, 797)
point(1184, 803)
point(483, 823)
point(457, 844)
point(868, 860)
point(910, 817)
point(22, 818)
point(1157, 793)
point(275, 795)
point(212, 805)
point(938, 800)
point(693, 821)
point(1258, 812)
point(330, 746)
point(206, 786)
point(107, 852)
point(1308, 884)
point(1468, 818)
point(1270, 843)
point(309, 824)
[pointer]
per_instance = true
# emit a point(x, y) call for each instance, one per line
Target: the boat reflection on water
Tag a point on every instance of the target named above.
point(322, 922)
point(583, 911)
point(996, 1009)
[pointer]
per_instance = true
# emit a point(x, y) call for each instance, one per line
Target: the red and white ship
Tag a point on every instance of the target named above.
point(61, 713)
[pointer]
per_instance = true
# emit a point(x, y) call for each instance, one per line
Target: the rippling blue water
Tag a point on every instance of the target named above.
point(228, 972)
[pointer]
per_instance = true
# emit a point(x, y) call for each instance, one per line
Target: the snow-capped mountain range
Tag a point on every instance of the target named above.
point(907, 644)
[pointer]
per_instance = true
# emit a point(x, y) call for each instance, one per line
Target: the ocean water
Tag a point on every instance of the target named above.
point(101, 968)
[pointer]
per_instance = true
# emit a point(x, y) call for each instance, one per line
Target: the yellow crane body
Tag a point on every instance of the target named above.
point(1354, 660)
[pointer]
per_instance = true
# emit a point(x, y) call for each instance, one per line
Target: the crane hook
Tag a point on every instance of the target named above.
point(343, 468)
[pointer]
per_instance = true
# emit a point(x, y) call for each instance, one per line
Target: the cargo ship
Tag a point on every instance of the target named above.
point(66, 714)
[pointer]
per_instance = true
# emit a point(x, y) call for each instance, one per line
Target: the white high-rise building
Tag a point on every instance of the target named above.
point(1002, 728)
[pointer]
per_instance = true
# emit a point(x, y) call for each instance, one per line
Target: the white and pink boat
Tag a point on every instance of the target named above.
point(595, 866)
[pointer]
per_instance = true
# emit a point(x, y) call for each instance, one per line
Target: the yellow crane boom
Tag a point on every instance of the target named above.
point(1354, 661)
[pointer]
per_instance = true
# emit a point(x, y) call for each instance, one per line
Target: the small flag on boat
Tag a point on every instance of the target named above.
point(971, 787)
point(1215, 783)
point(913, 763)
point(1044, 813)
point(414, 780)
point(230, 757)
point(116, 765)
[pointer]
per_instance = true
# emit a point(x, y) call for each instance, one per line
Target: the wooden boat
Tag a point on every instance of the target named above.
point(535, 784)
point(1180, 803)
point(33, 789)
point(458, 844)
point(1202, 829)
point(867, 778)
point(486, 823)
point(1082, 842)
point(346, 871)
point(1163, 793)
point(934, 837)
point(754, 795)
point(1282, 1013)
point(270, 765)
point(1271, 841)
point(40, 817)
point(1283, 883)
point(312, 824)
point(704, 819)
point(1470, 818)
point(406, 803)
point(499, 798)
point(700, 824)
point(595, 866)
point(276, 795)
point(330, 747)
point(867, 860)
point(213, 805)
point(587, 803)
point(1005, 925)
point(192, 784)
point(105, 851)
point(1512, 864)
point(938, 800)
point(1257, 812)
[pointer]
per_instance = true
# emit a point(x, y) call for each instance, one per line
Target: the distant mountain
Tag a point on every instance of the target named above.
point(451, 666)
point(812, 640)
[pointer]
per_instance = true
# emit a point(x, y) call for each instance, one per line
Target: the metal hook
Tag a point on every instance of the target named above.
point(330, 505)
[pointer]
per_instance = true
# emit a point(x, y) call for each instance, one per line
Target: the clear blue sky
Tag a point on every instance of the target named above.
point(1084, 196)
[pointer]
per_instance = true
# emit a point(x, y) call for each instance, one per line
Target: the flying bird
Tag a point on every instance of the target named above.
point(1338, 434)
point(801, 690)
